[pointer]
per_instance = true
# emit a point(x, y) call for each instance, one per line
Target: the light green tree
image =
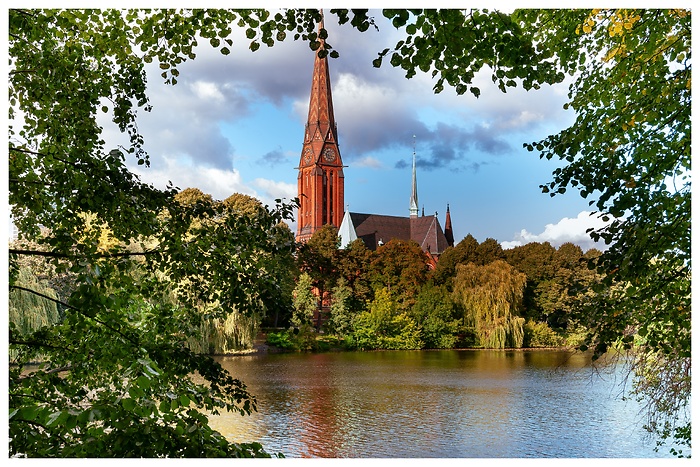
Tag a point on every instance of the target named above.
point(305, 302)
point(340, 321)
point(385, 326)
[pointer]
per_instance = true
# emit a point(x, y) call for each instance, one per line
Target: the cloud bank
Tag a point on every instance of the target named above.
point(566, 230)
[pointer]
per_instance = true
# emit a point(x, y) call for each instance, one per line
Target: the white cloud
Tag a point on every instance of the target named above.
point(275, 190)
point(370, 162)
point(205, 90)
point(217, 182)
point(566, 230)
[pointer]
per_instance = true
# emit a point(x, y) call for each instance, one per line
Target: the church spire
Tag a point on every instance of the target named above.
point(321, 120)
point(320, 183)
point(449, 236)
point(413, 207)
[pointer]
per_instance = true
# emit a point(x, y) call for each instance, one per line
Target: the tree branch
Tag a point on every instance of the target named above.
point(53, 254)
point(58, 302)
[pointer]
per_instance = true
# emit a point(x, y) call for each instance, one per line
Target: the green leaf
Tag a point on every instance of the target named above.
point(128, 403)
point(143, 382)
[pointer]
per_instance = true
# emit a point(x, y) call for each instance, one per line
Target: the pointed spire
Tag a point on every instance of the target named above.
point(449, 236)
point(413, 207)
point(321, 121)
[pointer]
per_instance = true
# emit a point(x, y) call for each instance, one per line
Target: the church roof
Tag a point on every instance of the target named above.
point(377, 229)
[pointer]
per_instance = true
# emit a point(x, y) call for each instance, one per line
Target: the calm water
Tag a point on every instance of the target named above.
point(485, 404)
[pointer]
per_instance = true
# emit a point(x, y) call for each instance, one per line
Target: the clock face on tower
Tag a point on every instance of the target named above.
point(307, 155)
point(329, 154)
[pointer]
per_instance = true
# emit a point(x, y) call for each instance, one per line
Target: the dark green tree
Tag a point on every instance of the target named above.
point(434, 312)
point(319, 258)
point(399, 267)
point(342, 311)
point(488, 251)
point(462, 253)
point(535, 260)
point(354, 265)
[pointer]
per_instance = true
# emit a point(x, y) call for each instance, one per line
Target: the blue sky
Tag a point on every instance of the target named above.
point(235, 124)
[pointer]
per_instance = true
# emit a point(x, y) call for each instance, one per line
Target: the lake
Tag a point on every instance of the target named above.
point(443, 404)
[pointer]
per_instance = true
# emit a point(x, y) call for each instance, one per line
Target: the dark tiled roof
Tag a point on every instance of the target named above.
point(424, 230)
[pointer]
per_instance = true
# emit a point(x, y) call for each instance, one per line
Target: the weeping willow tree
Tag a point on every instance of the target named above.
point(492, 296)
point(32, 305)
point(233, 333)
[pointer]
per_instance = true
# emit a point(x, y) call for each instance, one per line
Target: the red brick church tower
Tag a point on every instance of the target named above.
point(321, 183)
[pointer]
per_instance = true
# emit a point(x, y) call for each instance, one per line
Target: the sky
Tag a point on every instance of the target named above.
point(236, 124)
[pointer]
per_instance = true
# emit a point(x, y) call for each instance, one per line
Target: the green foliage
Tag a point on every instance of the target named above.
point(491, 297)
point(282, 340)
point(383, 326)
point(318, 258)
point(353, 266)
point(340, 322)
point(462, 253)
point(455, 44)
point(117, 379)
point(305, 302)
point(400, 268)
point(434, 312)
point(540, 335)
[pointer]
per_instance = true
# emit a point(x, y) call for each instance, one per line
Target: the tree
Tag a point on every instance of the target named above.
point(305, 302)
point(319, 259)
point(535, 260)
point(492, 297)
point(236, 330)
point(354, 263)
point(117, 374)
point(462, 253)
point(401, 268)
point(434, 312)
point(385, 326)
point(342, 313)
point(488, 251)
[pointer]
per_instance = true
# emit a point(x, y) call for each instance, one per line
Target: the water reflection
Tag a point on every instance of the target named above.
point(434, 404)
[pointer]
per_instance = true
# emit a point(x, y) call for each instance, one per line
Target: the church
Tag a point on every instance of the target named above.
point(321, 186)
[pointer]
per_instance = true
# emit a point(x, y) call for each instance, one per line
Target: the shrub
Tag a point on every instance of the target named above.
point(281, 340)
point(541, 335)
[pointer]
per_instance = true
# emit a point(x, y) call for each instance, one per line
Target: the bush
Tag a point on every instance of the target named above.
point(541, 335)
point(281, 340)
point(380, 328)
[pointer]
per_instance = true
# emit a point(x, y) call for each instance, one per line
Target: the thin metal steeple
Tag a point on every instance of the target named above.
point(413, 208)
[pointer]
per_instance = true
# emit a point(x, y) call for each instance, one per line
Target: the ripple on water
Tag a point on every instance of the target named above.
point(433, 404)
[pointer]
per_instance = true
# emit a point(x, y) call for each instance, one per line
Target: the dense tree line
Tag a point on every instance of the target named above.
point(479, 295)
